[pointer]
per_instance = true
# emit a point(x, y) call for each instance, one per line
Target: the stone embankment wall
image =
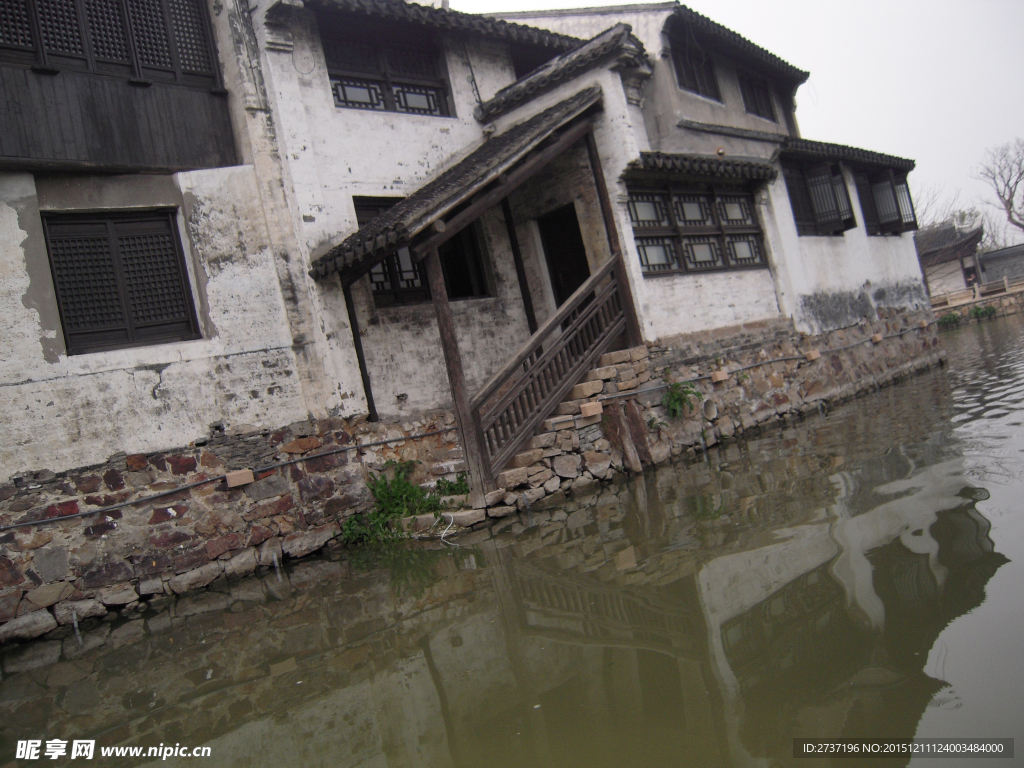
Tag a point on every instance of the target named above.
point(1004, 304)
point(311, 476)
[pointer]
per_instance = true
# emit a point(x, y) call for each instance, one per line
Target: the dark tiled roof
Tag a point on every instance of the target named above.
point(399, 224)
point(1012, 251)
point(708, 166)
point(443, 19)
point(614, 42)
point(944, 242)
point(821, 149)
point(739, 45)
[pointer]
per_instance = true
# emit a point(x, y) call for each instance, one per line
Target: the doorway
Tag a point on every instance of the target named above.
point(564, 251)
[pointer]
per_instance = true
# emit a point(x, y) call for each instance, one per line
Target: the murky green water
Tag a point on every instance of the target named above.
point(858, 575)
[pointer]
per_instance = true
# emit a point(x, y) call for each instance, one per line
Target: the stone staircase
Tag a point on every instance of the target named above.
point(575, 427)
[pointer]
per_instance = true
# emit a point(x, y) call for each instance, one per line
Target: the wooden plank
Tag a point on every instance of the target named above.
point(469, 426)
point(517, 258)
point(357, 341)
point(633, 333)
point(527, 168)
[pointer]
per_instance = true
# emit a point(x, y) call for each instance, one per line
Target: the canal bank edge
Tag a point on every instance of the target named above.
point(54, 572)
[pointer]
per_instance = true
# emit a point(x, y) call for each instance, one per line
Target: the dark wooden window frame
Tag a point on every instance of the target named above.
point(386, 71)
point(757, 95)
point(398, 280)
point(885, 201)
point(819, 198)
point(681, 237)
point(695, 69)
point(132, 290)
point(125, 38)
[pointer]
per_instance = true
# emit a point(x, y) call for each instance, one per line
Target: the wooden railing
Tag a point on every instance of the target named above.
point(979, 291)
point(529, 387)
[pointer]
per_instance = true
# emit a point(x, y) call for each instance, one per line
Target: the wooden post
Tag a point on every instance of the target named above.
point(517, 257)
point(469, 426)
point(633, 334)
point(1006, 284)
point(357, 341)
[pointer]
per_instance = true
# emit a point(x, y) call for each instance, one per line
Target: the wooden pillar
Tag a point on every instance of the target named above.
point(517, 257)
point(633, 333)
point(470, 433)
point(357, 341)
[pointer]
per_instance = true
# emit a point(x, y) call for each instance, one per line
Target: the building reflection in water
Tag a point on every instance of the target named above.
point(703, 614)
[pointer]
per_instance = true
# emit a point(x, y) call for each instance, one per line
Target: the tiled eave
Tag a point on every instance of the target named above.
point(701, 166)
point(853, 155)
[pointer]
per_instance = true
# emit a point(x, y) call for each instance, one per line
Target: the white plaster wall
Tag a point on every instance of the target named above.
point(59, 411)
point(689, 303)
point(946, 277)
point(825, 283)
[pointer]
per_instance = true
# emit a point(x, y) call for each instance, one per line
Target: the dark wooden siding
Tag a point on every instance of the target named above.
point(78, 120)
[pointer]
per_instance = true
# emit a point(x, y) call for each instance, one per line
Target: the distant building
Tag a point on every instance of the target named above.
point(1006, 262)
point(948, 257)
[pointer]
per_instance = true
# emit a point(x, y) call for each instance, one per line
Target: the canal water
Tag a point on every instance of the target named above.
point(854, 574)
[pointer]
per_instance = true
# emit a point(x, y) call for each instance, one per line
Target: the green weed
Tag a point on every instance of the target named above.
point(395, 497)
point(982, 313)
point(949, 320)
point(678, 398)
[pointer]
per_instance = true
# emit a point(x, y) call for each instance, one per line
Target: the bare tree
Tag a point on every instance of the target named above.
point(1003, 169)
point(931, 205)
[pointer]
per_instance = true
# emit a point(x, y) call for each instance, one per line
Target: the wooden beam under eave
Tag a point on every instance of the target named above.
point(357, 342)
point(517, 258)
point(470, 433)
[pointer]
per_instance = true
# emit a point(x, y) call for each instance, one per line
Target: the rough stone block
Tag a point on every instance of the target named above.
point(608, 372)
point(638, 353)
point(812, 355)
point(500, 511)
point(466, 518)
point(596, 463)
point(304, 542)
point(584, 421)
point(48, 594)
point(876, 338)
point(301, 445)
point(541, 477)
point(526, 458)
point(241, 564)
point(567, 466)
point(267, 488)
point(31, 656)
point(556, 423)
point(28, 626)
point(198, 577)
point(568, 408)
point(591, 409)
point(586, 389)
point(552, 484)
point(628, 384)
point(545, 440)
point(120, 594)
point(494, 497)
point(625, 559)
point(511, 478)
point(718, 376)
point(69, 610)
point(151, 586)
point(267, 550)
point(614, 358)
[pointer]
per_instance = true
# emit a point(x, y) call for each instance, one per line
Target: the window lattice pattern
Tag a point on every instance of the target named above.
point(412, 62)
point(359, 94)
point(678, 230)
point(190, 35)
point(58, 20)
point(150, 31)
point(418, 100)
point(15, 28)
point(152, 278)
point(86, 281)
point(106, 30)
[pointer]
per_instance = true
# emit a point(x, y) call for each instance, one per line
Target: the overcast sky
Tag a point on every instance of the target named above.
point(937, 81)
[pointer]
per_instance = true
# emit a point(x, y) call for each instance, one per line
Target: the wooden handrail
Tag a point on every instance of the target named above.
point(536, 340)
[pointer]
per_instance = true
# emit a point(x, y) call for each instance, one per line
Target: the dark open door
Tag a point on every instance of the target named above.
point(564, 251)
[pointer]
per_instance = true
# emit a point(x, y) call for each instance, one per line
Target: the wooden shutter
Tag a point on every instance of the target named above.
point(120, 281)
point(799, 199)
point(908, 218)
point(821, 188)
point(867, 203)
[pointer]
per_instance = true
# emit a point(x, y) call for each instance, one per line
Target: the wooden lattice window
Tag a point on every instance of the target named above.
point(149, 41)
point(383, 71)
point(398, 279)
point(885, 200)
point(679, 229)
point(818, 196)
point(757, 95)
point(120, 280)
point(695, 71)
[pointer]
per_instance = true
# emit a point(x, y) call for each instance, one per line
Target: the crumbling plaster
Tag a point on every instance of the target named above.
point(62, 411)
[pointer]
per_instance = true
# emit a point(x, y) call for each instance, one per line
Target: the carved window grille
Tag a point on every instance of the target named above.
point(695, 71)
point(120, 280)
point(688, 230)
point(149, 41)
point(383, 72)
point(398, 279)
point(819, 199)
point(757, 95)
point(885, 201)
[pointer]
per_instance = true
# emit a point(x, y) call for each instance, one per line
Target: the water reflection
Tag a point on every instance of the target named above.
point(703, 614)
